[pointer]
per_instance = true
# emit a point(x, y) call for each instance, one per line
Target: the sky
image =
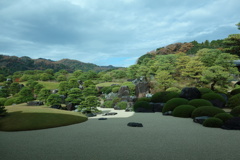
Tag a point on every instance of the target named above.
point(110, 32)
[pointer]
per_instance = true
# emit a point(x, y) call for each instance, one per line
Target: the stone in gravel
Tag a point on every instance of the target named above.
point(200, 119)
point(157, 107)
point(134, 124)
point(102, 118)
point(56, 106)
point(109, 113)
point(168, 113)
point(232, 124)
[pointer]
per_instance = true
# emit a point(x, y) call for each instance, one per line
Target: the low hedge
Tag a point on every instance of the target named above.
point(206, 111)
point(205, 90)
point(235, 111)
point(223, 116)
point(173, 103)
point(108, 104)
point(146, 99)
point(141, 104)
point(213, 122)
point(9, 102)
point(184, 111)
point(173, 89)
point(163, 97)
point(2, 101)
point(199, 102)
point(234, 101)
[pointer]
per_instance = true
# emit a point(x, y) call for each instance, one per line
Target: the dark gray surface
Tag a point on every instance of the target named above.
point(161, 138)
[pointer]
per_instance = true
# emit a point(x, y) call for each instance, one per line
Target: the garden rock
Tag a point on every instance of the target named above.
point(218, 103)
point(56, 106)
point(102, 118)
point(123, 92)
point(134, 124)
point(90, 114)
point(232, 124)
point(35, 103)
point(109, 114)
point(111, 96)
point(70, 107)
point(190, 93)
point(157, 107)
point(142, 87)
point(168, 113)
point(200, 119)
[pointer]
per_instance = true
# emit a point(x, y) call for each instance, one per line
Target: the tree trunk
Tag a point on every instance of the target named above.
point(213, 85)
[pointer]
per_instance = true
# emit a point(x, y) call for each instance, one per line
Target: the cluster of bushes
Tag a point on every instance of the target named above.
point(180, 107)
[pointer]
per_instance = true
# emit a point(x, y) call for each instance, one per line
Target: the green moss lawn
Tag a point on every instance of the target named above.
point(23, 118)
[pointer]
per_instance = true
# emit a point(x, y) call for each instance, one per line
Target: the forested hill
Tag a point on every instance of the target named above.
point(11, 64)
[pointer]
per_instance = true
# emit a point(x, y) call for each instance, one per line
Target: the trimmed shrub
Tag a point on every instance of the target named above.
point(235, 111)
point(223, 116)
point(2, 101)
point(173, 89)
point(184, 111)
point(122, 105)
point(213, 122)
point(210, 111)
point(235, 91)
point(234, 101)
point(146, 99)
point(163, 97)
point(199, 102)
point(173, 103)
point(108, 104)
point(115, 89)
point(141, 104)
point(213, 96)
point(3, 111)
point(205, 90)
point(9, 102)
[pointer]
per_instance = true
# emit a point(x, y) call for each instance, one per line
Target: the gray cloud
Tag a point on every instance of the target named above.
point(103, 31)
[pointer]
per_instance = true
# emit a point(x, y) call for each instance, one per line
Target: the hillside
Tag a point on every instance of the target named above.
point(11, 64)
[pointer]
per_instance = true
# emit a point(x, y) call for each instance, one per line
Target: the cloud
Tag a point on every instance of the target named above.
point(107, 32)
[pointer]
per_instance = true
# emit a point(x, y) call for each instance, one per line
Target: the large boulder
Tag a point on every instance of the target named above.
point(111, 96)
point(232, 124)
point(56, 106)
point(70, 107)
point(35, 103)
point(142, 87)
point(123, 92)
point(190, 93)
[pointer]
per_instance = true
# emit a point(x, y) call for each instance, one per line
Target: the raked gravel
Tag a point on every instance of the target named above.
point(160, 138)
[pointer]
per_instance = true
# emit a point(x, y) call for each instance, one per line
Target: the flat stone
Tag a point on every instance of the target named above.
point(200, 119)
point(109, 114)
point(102, 118)
point(134, 124)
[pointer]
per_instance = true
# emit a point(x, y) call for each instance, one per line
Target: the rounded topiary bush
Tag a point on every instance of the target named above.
point(213, 122)
point(199, 102)
point(115, 89)
point(122, 105)
point(205, 90)
point(173, 89)
point(235, 111)
point(2, 101)
point(163, 97)
point(141, 104)
point(144, 99)
point(9, 102)
point(210, 111)
point(213, 96)
point(173, 103)
point(235, 91)
point(223, 116)
point(108, 104)
point(184, 111)
point(234, 101)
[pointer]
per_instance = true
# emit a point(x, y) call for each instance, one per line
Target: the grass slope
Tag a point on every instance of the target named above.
point(22, 118)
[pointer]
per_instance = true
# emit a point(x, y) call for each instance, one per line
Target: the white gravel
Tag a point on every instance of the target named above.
point(160, 138)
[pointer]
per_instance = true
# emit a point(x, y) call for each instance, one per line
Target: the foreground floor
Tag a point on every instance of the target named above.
point(161, 137)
